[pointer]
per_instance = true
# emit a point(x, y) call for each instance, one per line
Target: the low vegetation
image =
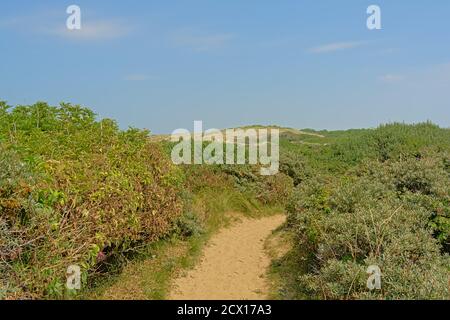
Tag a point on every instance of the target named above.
point(78, 190)
point(382, 198)
point(74, 190)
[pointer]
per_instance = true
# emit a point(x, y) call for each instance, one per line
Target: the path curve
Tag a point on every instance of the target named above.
point(233, 266)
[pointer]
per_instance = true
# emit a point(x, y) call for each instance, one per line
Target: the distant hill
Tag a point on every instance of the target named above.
point(294, 135)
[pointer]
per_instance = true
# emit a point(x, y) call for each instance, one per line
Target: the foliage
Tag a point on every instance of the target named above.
point(73, 189)
point(77, 190)
point(389, 208)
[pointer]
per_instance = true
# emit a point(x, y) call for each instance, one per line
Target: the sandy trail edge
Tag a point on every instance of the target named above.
point(233, 266)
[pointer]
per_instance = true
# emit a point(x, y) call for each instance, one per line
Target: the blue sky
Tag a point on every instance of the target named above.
point(163, 64)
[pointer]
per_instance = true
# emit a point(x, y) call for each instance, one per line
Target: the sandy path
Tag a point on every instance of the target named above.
point(233, 266)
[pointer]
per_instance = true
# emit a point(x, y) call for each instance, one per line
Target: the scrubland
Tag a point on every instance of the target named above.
point(78, 190)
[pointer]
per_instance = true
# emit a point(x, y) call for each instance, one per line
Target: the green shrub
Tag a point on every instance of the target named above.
point(100, 191)
point(420, 182)
point(294, 166)
point(189, 223)
point(382, 213)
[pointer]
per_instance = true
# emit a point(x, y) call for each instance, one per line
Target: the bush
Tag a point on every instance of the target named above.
point(392, 141)
point(100, 191)
point(189, 223)
point(293, 165)
point(268, 190)
point(382, 213)
point(420, 182)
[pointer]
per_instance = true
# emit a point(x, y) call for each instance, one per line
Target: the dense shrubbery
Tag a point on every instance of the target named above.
point(268, 190)
point(391, 209)
point(391, 141)
point(74, 190)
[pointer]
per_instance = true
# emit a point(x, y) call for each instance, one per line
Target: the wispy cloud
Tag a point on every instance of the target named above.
point(138, 77)
point(336, 46)
point(436, 76)
point(392, 78)
point(51, 24)
point(98, 30)
point(201, 42)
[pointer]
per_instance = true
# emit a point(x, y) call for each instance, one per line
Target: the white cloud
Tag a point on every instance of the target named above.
point(98, 30)
point(51, 24)
point(202, 42)
point(392, 78)
point(337, 46)
point(436, 76)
